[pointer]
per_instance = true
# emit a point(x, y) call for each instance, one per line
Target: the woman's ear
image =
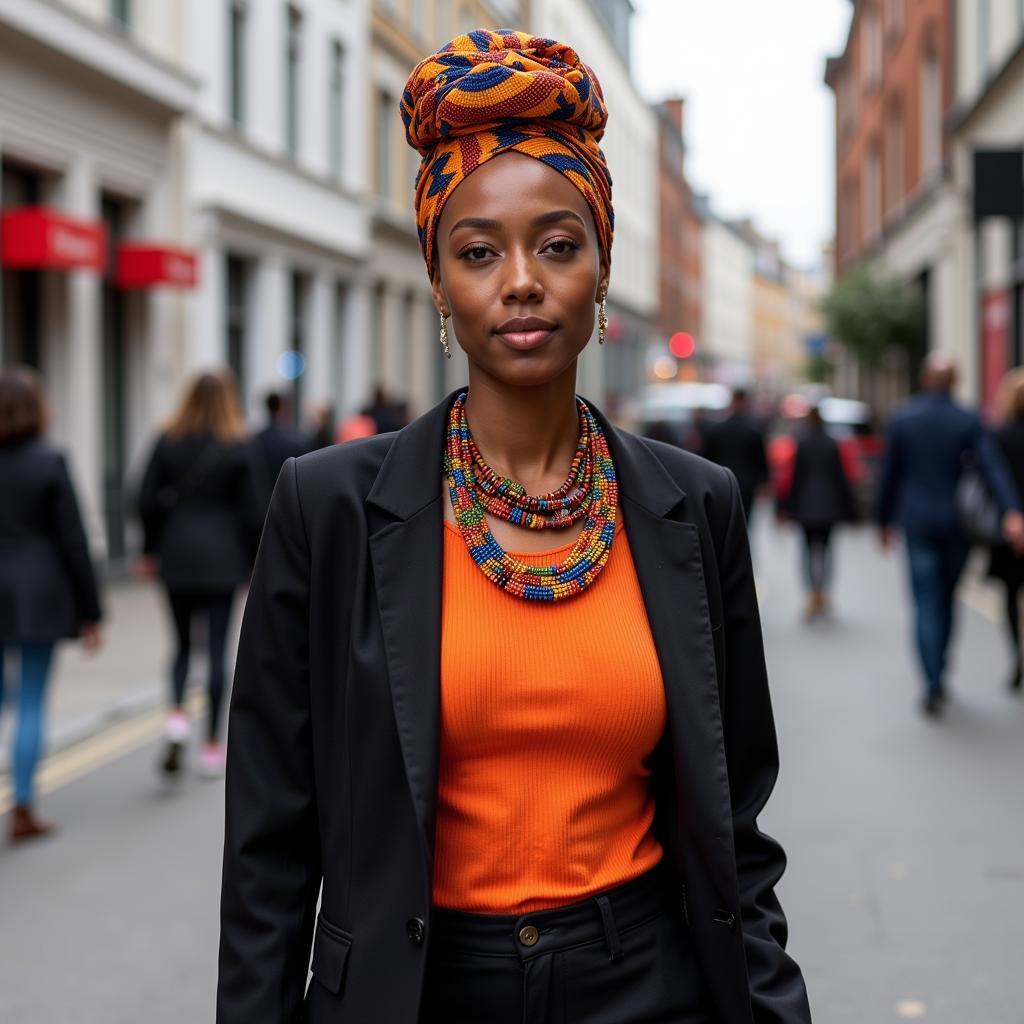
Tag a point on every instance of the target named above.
point(436, 289)
point(603, 278)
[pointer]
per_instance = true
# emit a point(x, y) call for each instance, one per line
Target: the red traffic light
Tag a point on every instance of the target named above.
point(682, 345)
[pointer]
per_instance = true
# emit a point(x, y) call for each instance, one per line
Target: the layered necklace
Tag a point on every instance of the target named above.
point(590, 492)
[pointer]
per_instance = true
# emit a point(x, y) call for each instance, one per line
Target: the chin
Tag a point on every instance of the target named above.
point(527, 369)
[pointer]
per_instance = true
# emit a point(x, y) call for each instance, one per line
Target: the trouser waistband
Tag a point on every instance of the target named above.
point(606, 915)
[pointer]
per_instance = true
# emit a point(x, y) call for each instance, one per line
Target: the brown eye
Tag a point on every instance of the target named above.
point(561, 246)
point(475, 254)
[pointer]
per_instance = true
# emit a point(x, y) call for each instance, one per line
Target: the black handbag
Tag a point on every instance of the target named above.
point(978, 512)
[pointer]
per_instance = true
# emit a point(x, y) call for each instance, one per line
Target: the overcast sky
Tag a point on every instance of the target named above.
point(759, 116)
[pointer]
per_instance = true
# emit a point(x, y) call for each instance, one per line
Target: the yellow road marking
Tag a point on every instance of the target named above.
point(108, 745)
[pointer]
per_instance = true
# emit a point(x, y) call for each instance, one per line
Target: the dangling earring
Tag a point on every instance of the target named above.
point(602, 321)
point(444, 337)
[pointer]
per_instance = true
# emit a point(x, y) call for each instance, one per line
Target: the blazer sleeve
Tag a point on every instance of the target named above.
point(891, 476)
point(777, 991)
point(74, 547)
point(272, 869)
point(150, 512)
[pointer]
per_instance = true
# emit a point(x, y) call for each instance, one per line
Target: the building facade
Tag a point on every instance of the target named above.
point(631, 147)
point(678, 237)
point(727, 337)
point(896, 207)
point(989, 124)
point(94, 165)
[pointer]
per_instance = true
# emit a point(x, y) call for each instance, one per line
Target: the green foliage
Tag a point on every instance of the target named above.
point(871, 316)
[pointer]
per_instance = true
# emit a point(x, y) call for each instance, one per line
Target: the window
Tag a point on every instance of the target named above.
point(894, 160)
point(895, 15)
point(297, 336)
point(336, 110)
point(871, 201)
point(871, 50)
point(121, 12)
point(236, 324)
point(931, 116)
point(293, 56)
point(236, 62)
point(385, 117)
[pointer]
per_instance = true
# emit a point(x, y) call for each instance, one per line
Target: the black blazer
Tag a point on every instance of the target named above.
point(47, 584)
point(333, 738)
point(201, 512)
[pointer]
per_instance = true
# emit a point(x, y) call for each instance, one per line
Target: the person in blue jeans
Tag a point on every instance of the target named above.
point(47, 584)
point(930, 439)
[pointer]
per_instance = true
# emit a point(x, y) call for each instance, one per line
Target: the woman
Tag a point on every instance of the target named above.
point(47, 585)
point(820, 497)
point(1005, 564)
point(199, 511)
point(501, 687)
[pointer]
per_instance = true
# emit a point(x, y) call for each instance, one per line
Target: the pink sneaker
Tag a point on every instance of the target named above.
point(175, 736)
point(211, 760)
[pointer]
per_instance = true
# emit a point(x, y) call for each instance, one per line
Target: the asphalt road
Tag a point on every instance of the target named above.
point(905, 891)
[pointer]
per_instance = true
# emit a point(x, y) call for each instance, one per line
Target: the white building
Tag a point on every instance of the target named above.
point(276, 185)
point(989, 294)
point(631, 147)
point(727, 279)
point(91, 107)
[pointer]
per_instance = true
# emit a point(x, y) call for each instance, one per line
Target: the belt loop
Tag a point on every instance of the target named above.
point(611, 934)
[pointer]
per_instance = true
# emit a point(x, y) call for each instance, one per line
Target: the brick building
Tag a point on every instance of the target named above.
point(896, 207)
point(679, 263)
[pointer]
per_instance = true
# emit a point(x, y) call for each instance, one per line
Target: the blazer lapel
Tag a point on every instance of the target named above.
point(669, 564)
point(407, 547)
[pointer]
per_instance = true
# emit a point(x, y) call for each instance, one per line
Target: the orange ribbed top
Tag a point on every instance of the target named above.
point(549, 712)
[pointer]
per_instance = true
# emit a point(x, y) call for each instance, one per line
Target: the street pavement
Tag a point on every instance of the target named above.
point(905, 887)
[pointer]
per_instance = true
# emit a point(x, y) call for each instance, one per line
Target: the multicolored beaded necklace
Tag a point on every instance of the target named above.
point(590, 492)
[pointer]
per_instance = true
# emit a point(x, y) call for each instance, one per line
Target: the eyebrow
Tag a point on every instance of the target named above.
point(552, 217)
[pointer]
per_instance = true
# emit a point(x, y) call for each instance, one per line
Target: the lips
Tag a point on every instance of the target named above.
point(525, 332)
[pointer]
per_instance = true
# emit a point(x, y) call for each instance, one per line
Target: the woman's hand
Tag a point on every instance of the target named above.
point(91, 637)
point(146, 567)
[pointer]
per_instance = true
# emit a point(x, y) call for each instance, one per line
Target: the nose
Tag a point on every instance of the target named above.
point(521, 282)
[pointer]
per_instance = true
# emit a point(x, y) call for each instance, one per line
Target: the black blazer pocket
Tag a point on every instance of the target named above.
point(330, 954)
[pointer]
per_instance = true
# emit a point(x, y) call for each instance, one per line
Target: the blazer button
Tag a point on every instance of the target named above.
point(724, 917)
point(415, 930)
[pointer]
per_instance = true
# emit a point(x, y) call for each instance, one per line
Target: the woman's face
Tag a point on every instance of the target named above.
point(519, 270)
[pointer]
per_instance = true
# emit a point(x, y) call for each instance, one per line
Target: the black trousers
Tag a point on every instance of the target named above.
point(216, 607)
point(622, 957)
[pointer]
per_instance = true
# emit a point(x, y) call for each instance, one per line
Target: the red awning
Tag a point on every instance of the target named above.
point(144, 264)
point(39, 238)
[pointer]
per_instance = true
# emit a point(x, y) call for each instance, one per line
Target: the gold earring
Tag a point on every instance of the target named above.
point(602, 321)
point(444, 337)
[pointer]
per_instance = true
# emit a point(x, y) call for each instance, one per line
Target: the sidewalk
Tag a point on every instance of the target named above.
point(127, 675)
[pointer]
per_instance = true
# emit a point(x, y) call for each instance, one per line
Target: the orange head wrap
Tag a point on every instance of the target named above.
point(487, 93)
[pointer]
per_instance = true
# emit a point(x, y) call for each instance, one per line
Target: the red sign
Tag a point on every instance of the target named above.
point(995, 345)
point(38, 238)
point(144, 264)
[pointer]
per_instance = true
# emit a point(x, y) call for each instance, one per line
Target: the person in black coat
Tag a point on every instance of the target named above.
point(820, 497)
point(278, 441)
point(738, 444)
point(1006, 564)
point(200, 512)
point(47, 584)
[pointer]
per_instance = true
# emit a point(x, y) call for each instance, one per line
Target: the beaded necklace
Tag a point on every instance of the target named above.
point(475, 489)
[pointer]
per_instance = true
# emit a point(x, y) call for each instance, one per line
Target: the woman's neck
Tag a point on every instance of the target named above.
point(528, 434)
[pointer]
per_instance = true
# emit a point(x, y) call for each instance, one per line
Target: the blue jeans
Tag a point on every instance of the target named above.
point(28, 737)
point(935, 567)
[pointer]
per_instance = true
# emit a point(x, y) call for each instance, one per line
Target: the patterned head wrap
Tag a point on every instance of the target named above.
point(487, 93)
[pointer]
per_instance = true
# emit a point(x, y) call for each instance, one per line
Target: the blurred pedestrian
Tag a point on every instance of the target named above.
point(738, 444)
point(929, 442)
point(47, 584)
point(504, 775)
point(278, 441)
point(384, 411)
point(200, 513)
point(1006, 564)
point(819, 498)
point(322, 417)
